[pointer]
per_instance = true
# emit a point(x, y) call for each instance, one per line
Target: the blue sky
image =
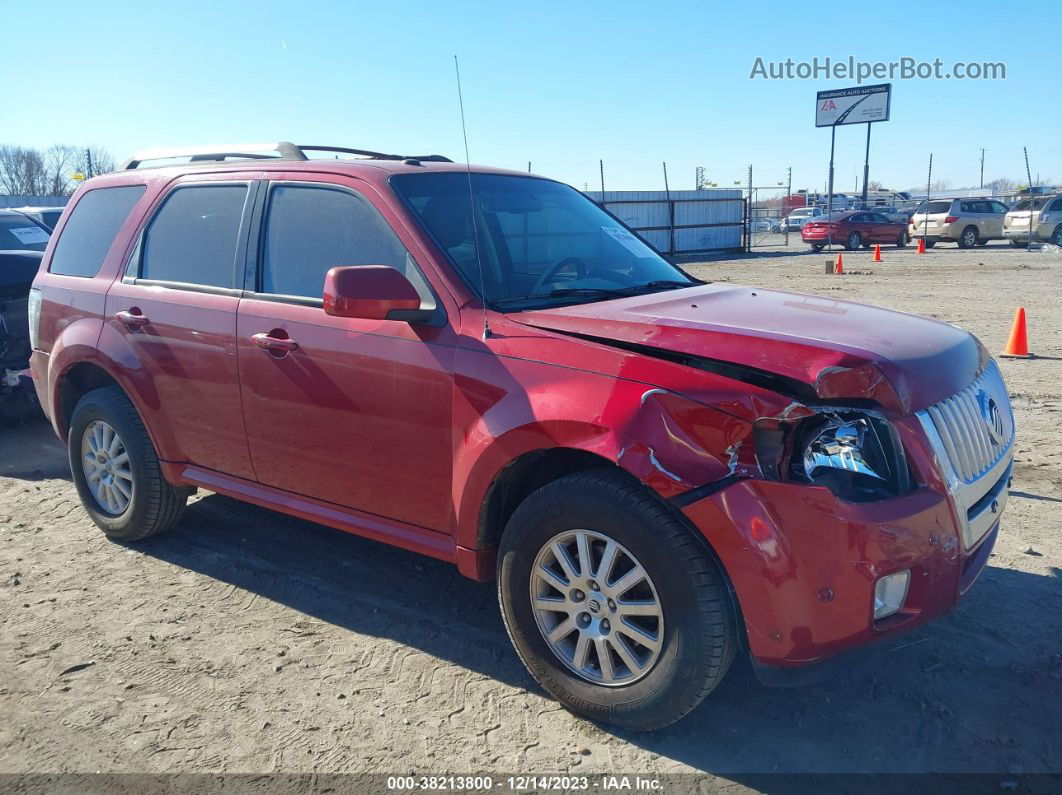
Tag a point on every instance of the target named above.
point(559, 84)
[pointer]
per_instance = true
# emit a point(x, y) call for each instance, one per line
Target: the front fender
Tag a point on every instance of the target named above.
point(669, 442)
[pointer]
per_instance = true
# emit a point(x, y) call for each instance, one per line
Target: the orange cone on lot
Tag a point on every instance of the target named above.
point(1018, 343)
point(877, 253)
point(838, 266)
point(921, 245)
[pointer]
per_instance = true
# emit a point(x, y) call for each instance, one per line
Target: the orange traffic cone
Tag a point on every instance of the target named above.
point(839, 265)
point(1017, 344)
point(921, 245)
point(877, 253)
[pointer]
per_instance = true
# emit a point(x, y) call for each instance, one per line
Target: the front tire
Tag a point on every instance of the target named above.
point(854, 241)
point(1056, 238)
point(901, 241)
point(612, 604)
point(116, 469)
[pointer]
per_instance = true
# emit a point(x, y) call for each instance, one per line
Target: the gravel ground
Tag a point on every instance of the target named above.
point(245, 641)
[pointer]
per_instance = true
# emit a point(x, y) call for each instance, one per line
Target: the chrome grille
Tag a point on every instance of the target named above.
point(975, 426)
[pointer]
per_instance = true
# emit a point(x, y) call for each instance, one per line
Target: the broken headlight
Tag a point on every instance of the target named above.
point(856, 455)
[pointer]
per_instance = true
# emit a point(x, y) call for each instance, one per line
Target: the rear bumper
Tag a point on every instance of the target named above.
point(804, 565)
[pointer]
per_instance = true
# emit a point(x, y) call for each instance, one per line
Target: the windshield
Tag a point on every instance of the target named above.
point(540, 242)
point(19, 233)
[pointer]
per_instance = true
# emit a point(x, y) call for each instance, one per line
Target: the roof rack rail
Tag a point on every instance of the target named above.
point(280, 150)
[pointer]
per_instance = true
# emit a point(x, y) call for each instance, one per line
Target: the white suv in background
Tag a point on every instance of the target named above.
point(968, 222)
point(800, 216)
point(1046, 223)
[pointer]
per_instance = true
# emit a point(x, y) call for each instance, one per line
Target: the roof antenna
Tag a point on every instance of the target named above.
point(472, 203)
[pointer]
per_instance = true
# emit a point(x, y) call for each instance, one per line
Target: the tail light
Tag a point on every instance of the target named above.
point(33, 312)
point(951, 219)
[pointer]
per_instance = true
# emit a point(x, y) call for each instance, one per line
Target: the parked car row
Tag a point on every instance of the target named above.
point(967, 222)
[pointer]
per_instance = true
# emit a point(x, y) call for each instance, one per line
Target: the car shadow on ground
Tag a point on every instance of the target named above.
point(943, 698)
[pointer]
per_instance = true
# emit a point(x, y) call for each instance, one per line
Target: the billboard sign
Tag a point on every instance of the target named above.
point(859, 105)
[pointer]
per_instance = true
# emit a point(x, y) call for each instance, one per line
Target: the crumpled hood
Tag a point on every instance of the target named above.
point(839, 349)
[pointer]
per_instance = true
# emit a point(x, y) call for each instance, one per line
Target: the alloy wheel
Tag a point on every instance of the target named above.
point(106, 465)
point(597, 608)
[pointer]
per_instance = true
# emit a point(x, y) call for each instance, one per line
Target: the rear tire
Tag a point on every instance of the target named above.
point(816, 247)
point(136, 501)
point(1056, 238)
point(695, 638)
point(1018, 244)
point(968, 238)
point(930, 243)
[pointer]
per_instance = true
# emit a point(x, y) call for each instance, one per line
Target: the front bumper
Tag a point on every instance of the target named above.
point(804, 564)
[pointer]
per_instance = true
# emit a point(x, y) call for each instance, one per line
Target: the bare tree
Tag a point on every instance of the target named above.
point(60, 162)
point(1002, 183)
point(49, 172)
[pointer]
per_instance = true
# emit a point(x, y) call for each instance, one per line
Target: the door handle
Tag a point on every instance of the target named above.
point(133, 318)
point(271, 343)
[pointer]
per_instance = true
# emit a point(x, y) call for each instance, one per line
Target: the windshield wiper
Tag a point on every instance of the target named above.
point(605, 292)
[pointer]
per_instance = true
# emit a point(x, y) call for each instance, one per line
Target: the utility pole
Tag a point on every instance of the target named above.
point(1032, 202)
point(601, 165)
point(786, 203)
point(528, 166)
point(750, 207)
point(982, 168)
point(929, 188)
point(829, 189)
point(866, 169)
point(88, 164)
point(699, 179)
point(670, 213)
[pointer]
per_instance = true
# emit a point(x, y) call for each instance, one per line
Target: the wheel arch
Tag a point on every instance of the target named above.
point(525, 474)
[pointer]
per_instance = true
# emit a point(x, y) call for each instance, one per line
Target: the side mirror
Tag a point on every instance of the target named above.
point(371, 292)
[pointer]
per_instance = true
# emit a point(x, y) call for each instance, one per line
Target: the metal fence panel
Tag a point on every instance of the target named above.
point(680, 220)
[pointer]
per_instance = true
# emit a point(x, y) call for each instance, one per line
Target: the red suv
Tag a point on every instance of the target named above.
point(488, 368)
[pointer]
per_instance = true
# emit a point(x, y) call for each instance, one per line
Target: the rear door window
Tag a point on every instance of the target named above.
point(938, 208)
point(193, 237)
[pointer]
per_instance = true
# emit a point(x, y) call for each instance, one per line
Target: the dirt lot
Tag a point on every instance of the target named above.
point(248, 642)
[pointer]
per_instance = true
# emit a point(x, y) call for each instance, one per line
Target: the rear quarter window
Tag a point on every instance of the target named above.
point(91, 228)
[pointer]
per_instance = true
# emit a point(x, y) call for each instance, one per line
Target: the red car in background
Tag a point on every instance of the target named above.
point(853, 228)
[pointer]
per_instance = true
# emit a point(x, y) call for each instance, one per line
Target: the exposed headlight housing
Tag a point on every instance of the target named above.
point(856, 454)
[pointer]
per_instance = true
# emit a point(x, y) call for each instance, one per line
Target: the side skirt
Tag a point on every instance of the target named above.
point(377, 528)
